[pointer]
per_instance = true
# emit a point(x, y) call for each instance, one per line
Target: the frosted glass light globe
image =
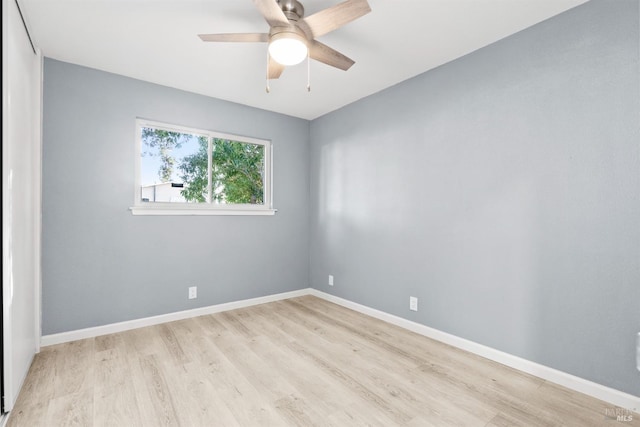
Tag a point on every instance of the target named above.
point(288, 48)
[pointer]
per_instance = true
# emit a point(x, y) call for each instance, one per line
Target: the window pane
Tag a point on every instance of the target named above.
point(172, 168)
point(201, 170)
point(237, 172)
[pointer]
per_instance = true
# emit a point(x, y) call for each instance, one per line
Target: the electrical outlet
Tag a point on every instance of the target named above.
point(193, 292)
point(330, 280)
point(413, 303)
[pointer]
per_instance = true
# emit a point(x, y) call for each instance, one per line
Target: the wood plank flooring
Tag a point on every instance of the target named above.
point(299, 362)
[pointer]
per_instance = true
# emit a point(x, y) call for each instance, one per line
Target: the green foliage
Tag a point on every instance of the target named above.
point(237, 167)
point(237, 172)
point(165, 142)
point(194, 173)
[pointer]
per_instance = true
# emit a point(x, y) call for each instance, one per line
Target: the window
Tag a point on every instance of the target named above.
point(182, 171)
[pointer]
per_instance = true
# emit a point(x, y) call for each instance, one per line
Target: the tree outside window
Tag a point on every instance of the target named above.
point(193, 167)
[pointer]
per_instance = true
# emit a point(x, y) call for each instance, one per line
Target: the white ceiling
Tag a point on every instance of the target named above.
point(156, 41)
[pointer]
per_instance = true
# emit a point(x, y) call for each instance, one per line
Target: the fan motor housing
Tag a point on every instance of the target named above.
point(292, 9)
point(291, 31)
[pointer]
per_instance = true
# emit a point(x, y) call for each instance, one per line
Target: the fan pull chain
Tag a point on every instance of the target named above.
point(268, 88)
point(308, 72)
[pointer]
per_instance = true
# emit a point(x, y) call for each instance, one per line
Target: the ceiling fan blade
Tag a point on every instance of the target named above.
point(235, 37)
point(272, 12)
point(323, 53)
point(275, 68)
point(332, 18)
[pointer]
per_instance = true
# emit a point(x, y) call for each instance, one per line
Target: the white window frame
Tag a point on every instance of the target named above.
point(207, 208)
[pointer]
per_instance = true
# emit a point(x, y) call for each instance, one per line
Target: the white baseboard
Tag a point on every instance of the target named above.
point(112, 328)
point(607, 394)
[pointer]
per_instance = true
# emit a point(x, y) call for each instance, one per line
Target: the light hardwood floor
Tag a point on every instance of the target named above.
point(299, 362)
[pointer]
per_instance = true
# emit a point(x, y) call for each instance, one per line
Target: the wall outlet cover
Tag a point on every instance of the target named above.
point(193, 292)
point(413, 303)
point(330, 280)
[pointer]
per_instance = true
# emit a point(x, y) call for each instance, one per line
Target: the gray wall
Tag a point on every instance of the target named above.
point(103, 265)
point(502, 190)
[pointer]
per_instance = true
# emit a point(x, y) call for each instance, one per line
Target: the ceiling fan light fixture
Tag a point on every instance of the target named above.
point(288, 48)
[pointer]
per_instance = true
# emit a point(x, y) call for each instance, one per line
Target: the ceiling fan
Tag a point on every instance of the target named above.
point(292, 38)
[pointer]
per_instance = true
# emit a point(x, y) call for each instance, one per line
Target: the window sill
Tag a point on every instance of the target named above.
point(181, 210)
